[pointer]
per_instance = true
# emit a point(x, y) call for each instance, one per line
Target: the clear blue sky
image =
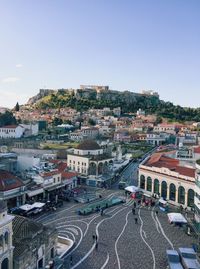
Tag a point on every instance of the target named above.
point(126, 44)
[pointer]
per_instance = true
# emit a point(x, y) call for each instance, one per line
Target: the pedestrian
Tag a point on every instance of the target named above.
point(101, 211)
point(157, 212)
point(94, 237)
point(133, 211)
point(71, 260)
point(136, 220)
point(134, 204)
point(96, 246)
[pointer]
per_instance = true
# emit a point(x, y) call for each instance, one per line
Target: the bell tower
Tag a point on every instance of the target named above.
point(6, 233)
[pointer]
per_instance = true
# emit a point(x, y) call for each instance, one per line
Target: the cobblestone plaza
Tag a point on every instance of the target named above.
point(122, 243)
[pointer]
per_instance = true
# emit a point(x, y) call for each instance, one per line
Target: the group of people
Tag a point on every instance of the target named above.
point(143, 201)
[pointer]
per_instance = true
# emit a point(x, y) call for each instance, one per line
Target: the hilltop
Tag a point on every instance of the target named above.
point(101, 96)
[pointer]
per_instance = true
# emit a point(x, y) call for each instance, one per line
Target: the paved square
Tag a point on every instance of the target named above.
point(122, 244)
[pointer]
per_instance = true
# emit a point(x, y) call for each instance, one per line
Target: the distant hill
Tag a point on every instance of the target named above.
point(83, 99)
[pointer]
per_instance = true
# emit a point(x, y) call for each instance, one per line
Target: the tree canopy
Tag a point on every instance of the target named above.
point(7, 118)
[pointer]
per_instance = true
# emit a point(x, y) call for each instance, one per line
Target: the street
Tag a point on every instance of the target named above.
point(121, 242)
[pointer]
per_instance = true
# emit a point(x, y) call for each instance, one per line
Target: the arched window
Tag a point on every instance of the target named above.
point(100, 168)
point(5, 264)
point(142, 181)
point(190, 201)
point(164, 190)
point(6, 236)
point(172, 192)
point(156, 186)
point(149, 184)
point(92, 169)
point(181, 195)
point(1, 241)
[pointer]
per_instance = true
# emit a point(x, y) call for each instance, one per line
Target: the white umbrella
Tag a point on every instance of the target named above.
point(132, 189)
point(176, 218)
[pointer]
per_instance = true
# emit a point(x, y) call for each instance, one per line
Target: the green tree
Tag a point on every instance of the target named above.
point(91, 122)
point(16, 107)
point(7, 118)
point(56, 121)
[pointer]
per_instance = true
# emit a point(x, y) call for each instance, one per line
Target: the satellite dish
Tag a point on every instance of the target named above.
point(4, 149)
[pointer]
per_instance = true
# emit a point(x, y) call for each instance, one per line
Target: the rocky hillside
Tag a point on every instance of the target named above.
point(84, 99)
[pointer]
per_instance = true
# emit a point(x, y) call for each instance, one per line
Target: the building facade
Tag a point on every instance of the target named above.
point(197, 193)
point(11, 131)
point(6, 233)
point(164, 176)
point(88, 159)
point(34, 244)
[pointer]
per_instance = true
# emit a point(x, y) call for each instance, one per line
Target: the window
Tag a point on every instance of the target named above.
point(6, 237)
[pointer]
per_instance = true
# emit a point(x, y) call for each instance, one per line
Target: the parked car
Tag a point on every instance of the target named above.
point(189, 258)
point(173, 259)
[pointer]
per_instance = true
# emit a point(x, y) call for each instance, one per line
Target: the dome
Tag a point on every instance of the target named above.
point(88, 145)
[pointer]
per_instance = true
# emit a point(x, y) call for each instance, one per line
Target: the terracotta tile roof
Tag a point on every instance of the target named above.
point(68, 175)
point(161, 161)
point(197, 150)
point(49, 174)
point(60, 165)
point(10, 126)
point(186, 171)
point(8, 181)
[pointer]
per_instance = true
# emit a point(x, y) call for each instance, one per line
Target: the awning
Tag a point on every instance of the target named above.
point(38, 205)
point(176, 218)
point(26, 207)
point(35, 192)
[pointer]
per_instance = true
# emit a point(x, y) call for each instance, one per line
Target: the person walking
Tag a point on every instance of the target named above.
point(96, 246)
point(136, 220)
point(157, 212)
point(101, 211)
point(94, 237)
point(133, 211)
point(134, 204)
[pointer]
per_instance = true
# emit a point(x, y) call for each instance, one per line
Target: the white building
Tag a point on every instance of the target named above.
point(164, 176)
point(48, 180)
point(197, 193)
point(140, 112)
point(167, 128)
point(11, 131)
point(6, 233)
point(88, 159)
point(26, 162)
point(156, 139)
point(31, 129)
